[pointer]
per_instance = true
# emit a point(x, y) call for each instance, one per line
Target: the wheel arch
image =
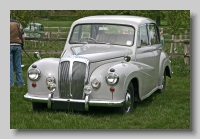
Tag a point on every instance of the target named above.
point(167, 69)
point(135, 84)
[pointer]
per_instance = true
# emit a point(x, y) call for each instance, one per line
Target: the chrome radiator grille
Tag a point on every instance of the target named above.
point(64, 79)
point(72, 78)
point(78, 77)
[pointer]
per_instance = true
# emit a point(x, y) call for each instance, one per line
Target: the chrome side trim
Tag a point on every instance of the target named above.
point(147, 95)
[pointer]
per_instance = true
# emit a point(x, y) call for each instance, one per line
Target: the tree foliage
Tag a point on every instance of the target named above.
point(153, 14)
point(24, 16)
point(177, 19)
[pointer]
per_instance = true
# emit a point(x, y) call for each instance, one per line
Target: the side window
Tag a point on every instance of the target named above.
point(143, 35)
point(153, 34)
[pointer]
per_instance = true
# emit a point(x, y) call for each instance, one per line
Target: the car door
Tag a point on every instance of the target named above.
point(156, 46)
point(145, 54)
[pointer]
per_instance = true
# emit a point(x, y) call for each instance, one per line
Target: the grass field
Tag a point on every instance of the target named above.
point(168, 110)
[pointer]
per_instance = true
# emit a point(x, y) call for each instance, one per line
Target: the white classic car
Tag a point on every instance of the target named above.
point(107, 61)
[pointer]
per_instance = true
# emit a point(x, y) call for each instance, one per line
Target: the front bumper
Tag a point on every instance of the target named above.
point(74, 104)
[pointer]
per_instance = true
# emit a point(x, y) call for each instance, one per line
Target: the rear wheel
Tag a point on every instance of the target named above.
point(39, 106)
point(163, 83)
point(129, 100)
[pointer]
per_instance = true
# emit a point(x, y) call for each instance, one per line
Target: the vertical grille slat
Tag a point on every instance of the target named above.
point(64, 79)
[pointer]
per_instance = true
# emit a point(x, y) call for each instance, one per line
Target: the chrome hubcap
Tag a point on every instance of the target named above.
point(128, 102)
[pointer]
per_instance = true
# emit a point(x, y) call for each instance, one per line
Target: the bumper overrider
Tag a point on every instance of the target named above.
point(72, 104)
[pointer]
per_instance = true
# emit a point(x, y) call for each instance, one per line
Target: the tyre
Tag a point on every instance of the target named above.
point(129, 100)
point(39, 106)
point(163, 83)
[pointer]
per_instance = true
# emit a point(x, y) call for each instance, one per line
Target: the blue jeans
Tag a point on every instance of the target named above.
point(15, 65)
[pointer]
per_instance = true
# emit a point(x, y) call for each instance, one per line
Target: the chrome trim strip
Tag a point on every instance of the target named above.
point(87, 102)
point(117, 103)
point(50, 96)
point(70, 77)
point(35, 99)
point(147, 95)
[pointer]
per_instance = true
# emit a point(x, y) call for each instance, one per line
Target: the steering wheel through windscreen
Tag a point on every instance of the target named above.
point(87, 39)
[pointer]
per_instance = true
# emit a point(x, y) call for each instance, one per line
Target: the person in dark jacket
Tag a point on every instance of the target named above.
point(16, 45)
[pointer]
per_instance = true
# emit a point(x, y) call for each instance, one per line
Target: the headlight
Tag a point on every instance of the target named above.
point(34, 74)
point(50, 80)
point(112, 78)
point(96, 83)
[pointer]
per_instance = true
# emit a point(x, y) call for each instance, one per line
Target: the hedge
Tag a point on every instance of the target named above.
point(63, 18)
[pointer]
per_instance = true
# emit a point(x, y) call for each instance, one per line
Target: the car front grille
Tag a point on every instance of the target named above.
point(73, 75)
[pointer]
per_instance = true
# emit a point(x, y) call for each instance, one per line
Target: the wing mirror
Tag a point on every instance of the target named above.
point(37, 55)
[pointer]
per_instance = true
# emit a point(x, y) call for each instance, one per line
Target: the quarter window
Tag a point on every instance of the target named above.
point(143, 35)
point(153, 34)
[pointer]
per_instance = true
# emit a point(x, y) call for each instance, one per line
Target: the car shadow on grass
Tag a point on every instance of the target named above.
point(105, 111)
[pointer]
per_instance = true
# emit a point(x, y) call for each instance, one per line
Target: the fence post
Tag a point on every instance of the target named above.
point(186, 50)
point(172, 45)
point(180, 37)
point(175, 48)
point(161, 30)
point(49, 34)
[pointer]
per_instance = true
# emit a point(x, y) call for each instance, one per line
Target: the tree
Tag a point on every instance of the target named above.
point(177, 19)
point(43, 13)
point(24, 16)
point(153, 14)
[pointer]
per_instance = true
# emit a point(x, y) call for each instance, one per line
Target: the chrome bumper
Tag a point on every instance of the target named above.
point(87, 102)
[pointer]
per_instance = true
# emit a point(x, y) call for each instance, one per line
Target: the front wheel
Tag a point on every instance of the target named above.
point(129, 100)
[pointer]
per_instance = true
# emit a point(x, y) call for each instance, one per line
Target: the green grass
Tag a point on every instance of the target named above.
point(49, 23)
point(168, 110)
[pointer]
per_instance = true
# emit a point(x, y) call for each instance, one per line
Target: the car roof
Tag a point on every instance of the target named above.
point(119, 19)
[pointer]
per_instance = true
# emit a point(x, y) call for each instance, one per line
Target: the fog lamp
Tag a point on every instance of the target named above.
point(50, 80)
point(87, 89)
point(51, 86)
point(95, 83)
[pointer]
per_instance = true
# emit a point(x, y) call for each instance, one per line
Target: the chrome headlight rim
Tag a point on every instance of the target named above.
point(50, 79)
point(93, 82)
point(37, 71)
point(112, 74)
